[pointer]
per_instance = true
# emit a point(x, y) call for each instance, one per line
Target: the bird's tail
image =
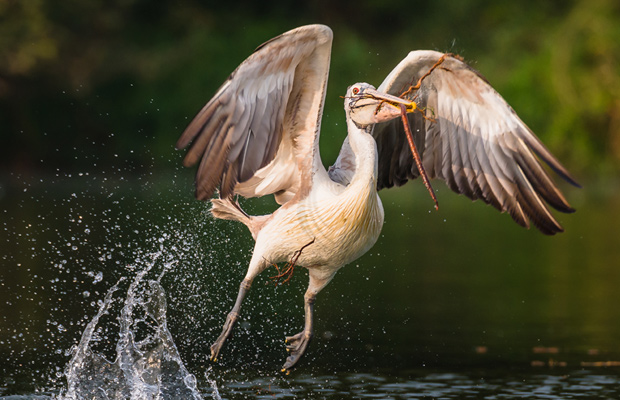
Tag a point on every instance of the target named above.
point(231, 210)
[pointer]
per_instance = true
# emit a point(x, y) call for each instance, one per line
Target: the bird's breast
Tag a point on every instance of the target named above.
point(341, 228)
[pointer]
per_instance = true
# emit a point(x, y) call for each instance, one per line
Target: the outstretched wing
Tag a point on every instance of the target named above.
point(471, 138)
point(258, 135)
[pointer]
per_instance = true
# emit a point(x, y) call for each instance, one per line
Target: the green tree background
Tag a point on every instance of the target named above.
point(85, 83)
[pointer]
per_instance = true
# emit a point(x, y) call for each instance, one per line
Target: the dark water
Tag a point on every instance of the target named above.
point(460, 303)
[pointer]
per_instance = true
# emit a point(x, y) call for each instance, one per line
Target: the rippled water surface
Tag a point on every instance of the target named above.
point(436, 385)
point(459, 303)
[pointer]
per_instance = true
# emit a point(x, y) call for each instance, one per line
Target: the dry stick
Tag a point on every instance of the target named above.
point(419, 84)
point(289, 267)
point(416, 155)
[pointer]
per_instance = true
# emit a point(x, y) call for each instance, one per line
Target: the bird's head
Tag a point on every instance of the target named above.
point(365, 105)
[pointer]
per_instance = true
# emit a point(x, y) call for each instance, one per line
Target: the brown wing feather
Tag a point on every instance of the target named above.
point(263, 120)
point(471, 139)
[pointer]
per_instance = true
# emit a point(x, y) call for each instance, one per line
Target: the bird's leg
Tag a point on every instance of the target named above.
point(257, 265)
point(232, 317)
point(297, 344)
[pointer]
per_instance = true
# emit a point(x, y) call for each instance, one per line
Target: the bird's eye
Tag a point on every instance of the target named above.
point(355, 90)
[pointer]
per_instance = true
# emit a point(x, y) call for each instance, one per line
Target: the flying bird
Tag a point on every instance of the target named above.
point(259, 136)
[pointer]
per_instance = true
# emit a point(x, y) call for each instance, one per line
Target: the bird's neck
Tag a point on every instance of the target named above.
point(365, 149)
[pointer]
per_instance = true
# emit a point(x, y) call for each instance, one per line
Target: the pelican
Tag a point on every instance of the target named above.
point(259, 136)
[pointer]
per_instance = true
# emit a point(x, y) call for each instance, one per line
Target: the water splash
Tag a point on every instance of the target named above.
point(148, 368)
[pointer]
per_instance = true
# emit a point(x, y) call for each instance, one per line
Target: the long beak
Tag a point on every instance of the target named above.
point(391, 100)
point(374, 107)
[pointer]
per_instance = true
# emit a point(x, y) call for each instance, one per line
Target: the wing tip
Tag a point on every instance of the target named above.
point(551, 230)
point(181, 143)
point(203, 194)
point(319, 30)
point(564, 174)
point(188, 161)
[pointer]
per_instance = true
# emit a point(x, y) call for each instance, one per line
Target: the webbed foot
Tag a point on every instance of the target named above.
point(296, 345)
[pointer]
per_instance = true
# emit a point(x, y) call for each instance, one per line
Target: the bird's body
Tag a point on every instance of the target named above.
point(337, 229)
point(259, 136)
point(341, 222)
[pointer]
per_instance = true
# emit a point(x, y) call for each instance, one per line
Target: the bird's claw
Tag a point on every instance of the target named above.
point(215, 350)
point(296, 345)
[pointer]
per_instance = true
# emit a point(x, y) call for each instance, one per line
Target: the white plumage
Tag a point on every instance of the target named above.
point(259, 135)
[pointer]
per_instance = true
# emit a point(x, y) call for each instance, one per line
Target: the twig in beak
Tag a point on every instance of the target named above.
point(437, 64)
point(416, 155)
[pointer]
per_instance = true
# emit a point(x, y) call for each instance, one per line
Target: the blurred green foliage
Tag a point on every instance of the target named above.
point(85, 82)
